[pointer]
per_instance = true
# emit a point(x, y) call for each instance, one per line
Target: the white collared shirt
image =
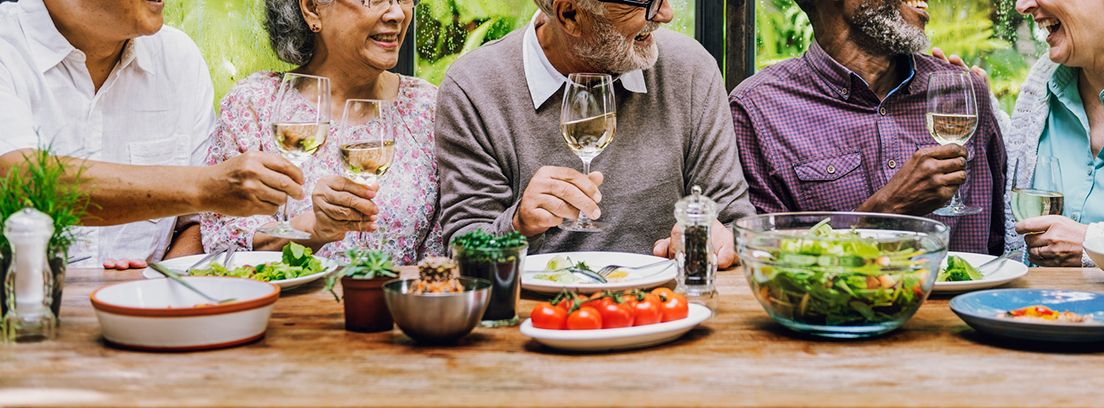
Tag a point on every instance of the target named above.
point(544, 80)
point(154, 109)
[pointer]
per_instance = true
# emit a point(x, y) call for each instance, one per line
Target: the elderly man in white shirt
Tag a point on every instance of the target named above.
point(107, 87)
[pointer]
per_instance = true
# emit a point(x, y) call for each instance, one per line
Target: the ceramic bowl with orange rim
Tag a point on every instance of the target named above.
point(162, 315)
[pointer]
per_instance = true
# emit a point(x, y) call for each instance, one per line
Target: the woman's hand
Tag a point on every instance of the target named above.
point(340, 206)
point(955, 60)
point(1053, 240)
point(720, 236)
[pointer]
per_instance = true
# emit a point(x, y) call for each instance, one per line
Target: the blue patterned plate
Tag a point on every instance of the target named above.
point(984, 310)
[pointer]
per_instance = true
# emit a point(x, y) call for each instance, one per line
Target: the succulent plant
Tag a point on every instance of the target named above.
point(363, 264)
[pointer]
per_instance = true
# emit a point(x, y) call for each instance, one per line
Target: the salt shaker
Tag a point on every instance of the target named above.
point(29, 281)
point(697, 263)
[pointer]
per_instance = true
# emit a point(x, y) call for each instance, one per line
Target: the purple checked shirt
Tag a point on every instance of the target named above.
point(814, 137)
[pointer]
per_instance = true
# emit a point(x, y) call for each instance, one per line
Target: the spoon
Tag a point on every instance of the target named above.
point(176, 277)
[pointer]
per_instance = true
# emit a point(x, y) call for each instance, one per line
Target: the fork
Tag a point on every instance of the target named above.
point(608, 269)
point(209, 256)
point(995, 263)
point(176, 277)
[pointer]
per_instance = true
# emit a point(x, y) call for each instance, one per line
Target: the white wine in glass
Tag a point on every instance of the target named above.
point(952, 118)
point(1042, 194)
point(948, 129)
point(366, 162)
point(300, 124)
point(366, 135)
point(589, 137)
point(588, 123)
point(299, 141)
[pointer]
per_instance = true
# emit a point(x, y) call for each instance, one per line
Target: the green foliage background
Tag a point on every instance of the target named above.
point(987, 33)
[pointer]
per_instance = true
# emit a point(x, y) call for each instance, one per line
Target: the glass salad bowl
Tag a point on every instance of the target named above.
point(843, 275)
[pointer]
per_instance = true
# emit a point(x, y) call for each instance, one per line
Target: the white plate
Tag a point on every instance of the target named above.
point(617, 339)
point(1009, 271)
point(245, 258)
point(641, 279)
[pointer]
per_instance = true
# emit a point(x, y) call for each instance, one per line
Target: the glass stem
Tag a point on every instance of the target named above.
point(583, 219)
point(284, 217)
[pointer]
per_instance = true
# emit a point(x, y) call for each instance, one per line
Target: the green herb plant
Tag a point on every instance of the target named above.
point(46, 184)
point(482, 247)
point(363, 264)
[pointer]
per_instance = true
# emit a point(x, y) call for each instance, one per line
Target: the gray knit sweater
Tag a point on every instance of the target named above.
point(490, 142)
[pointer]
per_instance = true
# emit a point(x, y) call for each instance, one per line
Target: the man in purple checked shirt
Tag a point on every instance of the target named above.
point(842, 128)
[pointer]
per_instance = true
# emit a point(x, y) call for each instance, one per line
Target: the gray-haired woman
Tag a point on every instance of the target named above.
point(353, 43)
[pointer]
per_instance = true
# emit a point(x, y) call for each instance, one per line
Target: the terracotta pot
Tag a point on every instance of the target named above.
point(365, 306)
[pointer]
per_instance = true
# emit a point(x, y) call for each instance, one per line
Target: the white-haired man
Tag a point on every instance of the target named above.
point(504, 163)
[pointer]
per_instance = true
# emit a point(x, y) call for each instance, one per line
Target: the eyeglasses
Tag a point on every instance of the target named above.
point(380, 4)
point(652, 6)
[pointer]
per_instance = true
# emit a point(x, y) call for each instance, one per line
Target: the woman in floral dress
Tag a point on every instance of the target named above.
point(353, 43)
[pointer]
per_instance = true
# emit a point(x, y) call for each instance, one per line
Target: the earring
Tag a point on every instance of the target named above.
point(316, 28)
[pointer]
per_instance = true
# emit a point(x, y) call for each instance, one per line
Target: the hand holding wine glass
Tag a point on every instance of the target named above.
point(300, 124)
point(588, 122)
point(952, 118)
point(1041, 194)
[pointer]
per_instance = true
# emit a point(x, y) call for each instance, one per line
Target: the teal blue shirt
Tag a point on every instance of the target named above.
point(1066, 136)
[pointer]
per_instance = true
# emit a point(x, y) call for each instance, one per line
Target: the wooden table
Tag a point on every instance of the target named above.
point(740, 357)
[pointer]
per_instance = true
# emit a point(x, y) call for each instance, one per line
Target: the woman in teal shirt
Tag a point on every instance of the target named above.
point(1060, 114)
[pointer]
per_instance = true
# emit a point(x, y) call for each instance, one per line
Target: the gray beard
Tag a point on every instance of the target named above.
point(609, 51)
point(885, 29)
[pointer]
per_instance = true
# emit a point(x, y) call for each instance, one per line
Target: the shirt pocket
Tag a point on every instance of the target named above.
point(831, 183)
point(161, 152)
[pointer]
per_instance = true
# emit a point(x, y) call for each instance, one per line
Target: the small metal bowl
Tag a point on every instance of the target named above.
point(437, 317)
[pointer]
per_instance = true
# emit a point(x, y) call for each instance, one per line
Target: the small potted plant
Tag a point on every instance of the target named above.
point(362, 282)
point(46, 184)
point(500, 260)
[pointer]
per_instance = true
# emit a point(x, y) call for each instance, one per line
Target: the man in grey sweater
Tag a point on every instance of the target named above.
point(505, 166)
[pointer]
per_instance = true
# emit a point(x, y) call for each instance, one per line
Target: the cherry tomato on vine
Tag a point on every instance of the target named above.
point(616, 315)
point(546, 316)
point(586, 318)
point(675, 307)
point(648, 311)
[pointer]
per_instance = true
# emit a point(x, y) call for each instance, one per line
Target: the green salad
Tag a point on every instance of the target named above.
point(958, 270)
point(829, 277)
point(298, 261)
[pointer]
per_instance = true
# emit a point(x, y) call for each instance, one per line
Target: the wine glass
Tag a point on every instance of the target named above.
point(1042, 194)
point(952, 118)
point(588, 121)
point(300, 124)
point(367, 136)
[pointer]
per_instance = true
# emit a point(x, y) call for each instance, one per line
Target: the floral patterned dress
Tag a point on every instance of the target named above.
point(407, 198)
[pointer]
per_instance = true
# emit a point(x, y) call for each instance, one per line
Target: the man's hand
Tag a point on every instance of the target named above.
point(250, 184)
point(926, 182)
point(720, 236)
point(340, 206)
point(556, 193)
point(1053, 240)
point(124, 264)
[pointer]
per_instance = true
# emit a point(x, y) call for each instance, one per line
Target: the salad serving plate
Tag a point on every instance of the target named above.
point(1008, 271)
point(619, 338)
point(985, 312)
point(244, 258)
point(539, 278)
